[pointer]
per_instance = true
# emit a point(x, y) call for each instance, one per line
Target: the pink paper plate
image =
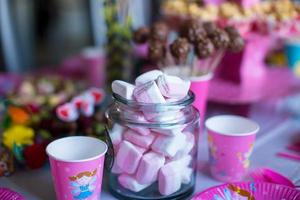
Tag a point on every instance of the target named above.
point(277, 83)
point(249, 191)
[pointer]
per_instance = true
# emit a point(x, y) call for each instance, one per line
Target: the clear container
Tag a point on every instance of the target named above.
point(175, 129)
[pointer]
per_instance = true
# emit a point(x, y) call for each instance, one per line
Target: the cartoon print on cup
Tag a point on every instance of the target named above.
point(82, 184)
point(245, 157)
point(212, 150)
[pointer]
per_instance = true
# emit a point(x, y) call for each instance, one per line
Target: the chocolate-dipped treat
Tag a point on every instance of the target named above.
point(193, 31)
point(180, 49)
point(231, 30)
point(156, 51)
point(236, 42)
point(219, 38)
point(210, 27)
point(159, 31)
point(204, 48)
point(141, 35)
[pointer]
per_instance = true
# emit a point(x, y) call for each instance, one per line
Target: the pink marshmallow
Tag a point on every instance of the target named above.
point(148, 93)
point(98, 95)
point(67, 112)
point(135, 116)
point(123, 89)
point(129, 182)
point(169, 179)
point(150, 164)
point(129, 156)
point(115, 168)
point(85, 103)
point(186, 175)
point(141, 140)
point(182, 162)
point(87, 108)
point(116, 134)
point(139, 129)
point(147, 77)
point(163, 116)
point(189, 144)
point(169, 131)
point(168, 145)
point(173, 86)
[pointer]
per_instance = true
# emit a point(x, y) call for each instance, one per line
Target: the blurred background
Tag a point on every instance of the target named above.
point(53, 52)
point(42, 32)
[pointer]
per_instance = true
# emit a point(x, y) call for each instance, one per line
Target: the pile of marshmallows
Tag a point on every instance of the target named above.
point(143, 155)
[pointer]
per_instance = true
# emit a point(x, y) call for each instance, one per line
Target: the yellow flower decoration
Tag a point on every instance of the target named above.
point(18, 134)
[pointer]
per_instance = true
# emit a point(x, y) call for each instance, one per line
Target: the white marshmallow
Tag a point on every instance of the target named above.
point(163, 116)
point(150, 164)
point(169, 179)
point(141, 130)
point(141, 140)
point(169, 131)
point(128, 157)
point(186, 175)
point(130, 183)
point(173, 86)
point(123, 89)
point(115, 168)
point(116, 134)
point(182, 162)
point(148, 76)
point(148, 93)
point(168, 145)
point(187, 148)
point(135, 116)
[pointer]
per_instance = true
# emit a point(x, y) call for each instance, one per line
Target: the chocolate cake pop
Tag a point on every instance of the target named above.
point(159, 31)
point(219, 38)
point(209, 27)
point(156, 51)
point(193, 31)
point(141, 35)
point(180, 49)
point(204, 48)
point(236, 43)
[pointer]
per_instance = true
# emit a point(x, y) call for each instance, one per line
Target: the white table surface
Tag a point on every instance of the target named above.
point(275, 134)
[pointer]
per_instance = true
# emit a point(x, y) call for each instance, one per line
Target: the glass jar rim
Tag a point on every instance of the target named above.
point(187, 100)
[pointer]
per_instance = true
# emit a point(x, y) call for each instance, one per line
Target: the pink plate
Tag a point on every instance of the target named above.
point(249, 191)
point(277, 83)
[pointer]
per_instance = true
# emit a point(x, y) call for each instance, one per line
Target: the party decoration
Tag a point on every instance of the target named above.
point(249, 191)
point(8, 194)
point(6, 162)
point(17, 134)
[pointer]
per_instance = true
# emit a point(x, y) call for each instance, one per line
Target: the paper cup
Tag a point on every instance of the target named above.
point(77, 167)
point(231, 140)
point(199, 85)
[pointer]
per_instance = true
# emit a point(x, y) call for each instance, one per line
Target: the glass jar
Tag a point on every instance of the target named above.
point(155, 148)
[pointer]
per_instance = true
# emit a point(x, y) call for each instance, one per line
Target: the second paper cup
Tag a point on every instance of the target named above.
point(231, 141)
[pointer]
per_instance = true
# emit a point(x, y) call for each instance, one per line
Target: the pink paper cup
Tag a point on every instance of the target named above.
point(200, 85)
point(77, 167)
point(230, 140)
